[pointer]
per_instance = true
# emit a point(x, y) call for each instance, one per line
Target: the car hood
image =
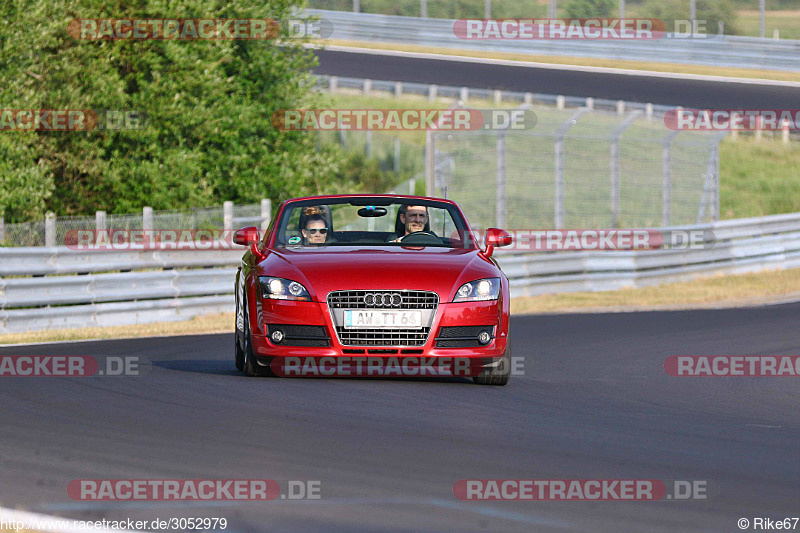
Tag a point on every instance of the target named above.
point(333, 268)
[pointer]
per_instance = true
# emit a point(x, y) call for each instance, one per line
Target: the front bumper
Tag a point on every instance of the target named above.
point(271, 312)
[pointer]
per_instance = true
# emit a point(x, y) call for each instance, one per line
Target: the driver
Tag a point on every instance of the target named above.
point(411, 218)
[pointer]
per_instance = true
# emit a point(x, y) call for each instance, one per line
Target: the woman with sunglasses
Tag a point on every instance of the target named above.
point(315, 231)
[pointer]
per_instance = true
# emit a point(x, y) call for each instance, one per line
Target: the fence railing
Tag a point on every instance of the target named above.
point(713, 50)
point(57, 287)
point(53, 230)
point(738, 246)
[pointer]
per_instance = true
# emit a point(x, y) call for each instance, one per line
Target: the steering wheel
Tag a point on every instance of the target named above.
point(420, 237)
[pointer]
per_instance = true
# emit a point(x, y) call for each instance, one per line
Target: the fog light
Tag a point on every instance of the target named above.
point(276, 336)
point(484, 337)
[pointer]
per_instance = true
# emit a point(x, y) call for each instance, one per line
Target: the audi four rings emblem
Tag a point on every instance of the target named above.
point(383, 299)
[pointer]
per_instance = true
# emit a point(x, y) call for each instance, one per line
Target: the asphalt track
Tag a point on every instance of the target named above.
point(594, 403)
point(675, 90)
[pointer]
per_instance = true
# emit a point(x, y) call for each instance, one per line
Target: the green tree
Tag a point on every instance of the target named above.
point(710, 11)
point(589, 8)
point(208, 135)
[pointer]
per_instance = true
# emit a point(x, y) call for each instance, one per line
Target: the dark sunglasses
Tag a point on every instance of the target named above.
point(323, 231)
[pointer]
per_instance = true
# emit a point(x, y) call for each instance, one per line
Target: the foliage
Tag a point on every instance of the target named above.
point(710, 11)
point(208, 136)
point(590, 8)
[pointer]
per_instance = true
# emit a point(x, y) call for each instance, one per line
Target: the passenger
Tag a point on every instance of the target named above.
point(315, 229)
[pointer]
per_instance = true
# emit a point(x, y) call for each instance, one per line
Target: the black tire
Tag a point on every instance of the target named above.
point(499, 374)
point(238, 353)
point(251, 368)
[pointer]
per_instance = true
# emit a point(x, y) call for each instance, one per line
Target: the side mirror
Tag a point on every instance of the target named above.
point(249, 237)
point(496, 237)
point(246, 236)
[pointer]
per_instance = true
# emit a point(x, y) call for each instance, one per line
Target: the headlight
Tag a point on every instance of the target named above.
point(480, 289)
point(283, 289)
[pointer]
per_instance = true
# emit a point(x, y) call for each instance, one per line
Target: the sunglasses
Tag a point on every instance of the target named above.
point(322, 231)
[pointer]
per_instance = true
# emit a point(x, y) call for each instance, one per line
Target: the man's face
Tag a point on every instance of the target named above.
point(313, 234)
point(415, 218)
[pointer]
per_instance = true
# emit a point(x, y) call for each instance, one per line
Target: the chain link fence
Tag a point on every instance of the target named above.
point(579, 168)
point(51, 232)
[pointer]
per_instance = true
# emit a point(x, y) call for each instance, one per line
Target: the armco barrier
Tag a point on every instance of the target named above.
point(106, 288)
point(714, 50)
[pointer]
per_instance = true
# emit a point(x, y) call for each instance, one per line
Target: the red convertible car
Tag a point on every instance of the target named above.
point(338, 283)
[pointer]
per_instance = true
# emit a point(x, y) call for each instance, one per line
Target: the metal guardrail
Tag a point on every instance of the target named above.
point(82, 289)
point(739, 246)
point(714, 50)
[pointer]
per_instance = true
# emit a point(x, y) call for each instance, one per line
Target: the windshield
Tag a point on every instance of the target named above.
point(372, 222)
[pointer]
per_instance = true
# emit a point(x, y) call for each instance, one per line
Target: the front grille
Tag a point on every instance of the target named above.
point(410, 300)
point(425, 301)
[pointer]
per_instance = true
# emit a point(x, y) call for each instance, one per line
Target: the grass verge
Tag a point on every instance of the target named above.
point(717, 291)
point(674, 68)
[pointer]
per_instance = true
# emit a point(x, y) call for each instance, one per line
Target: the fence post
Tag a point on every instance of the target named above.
point(396, 166)
point(500, 214)
point(398, 89)
point(423, 8)
point(266, 213)
point(464, 94)
point(561, 133)
point(666, 178)
point(590, 103)
point(648, 111)
point(356, 7)
point(620, 107)
point(432, 89)
point(785, 133)
point(615, 168)
point(560, 102)
point(227, 215)
point(333, 84)
point(367, 87)
point(498, 97)
point(2, 231)
point(430, 171)
point(369, 143)
point(100, 220)
point(487, 9)
point(527, 99)
point(50, 229)
point(147, 218)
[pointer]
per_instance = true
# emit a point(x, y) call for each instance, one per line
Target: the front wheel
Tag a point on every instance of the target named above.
point(251, 367)
point(499, 374)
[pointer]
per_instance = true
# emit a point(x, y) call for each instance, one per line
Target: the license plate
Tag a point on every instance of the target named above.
point(363, 318)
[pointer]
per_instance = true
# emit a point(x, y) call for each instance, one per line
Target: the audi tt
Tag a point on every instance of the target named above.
point(372, 277)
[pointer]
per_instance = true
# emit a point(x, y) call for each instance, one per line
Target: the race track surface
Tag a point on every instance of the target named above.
point(673, 90)
point(594, 403)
